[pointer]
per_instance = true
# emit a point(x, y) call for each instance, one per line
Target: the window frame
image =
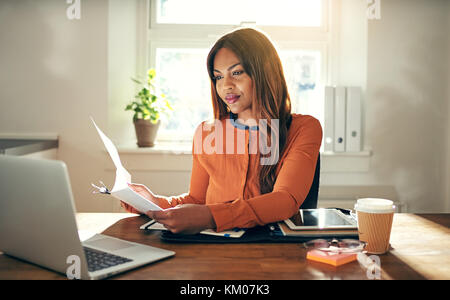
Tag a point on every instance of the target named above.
point(320, 39)
point(174, 136)
point(274, 30)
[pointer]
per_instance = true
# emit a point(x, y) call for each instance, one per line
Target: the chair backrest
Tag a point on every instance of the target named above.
point(311, 199)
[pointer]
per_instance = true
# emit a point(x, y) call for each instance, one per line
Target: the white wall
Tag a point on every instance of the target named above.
point(53, 76)
point(400, 61)
point(407, 105)
point(404, 100)
point(351, 53)
point(352, 36)
point(124, 27)
point(122, 65)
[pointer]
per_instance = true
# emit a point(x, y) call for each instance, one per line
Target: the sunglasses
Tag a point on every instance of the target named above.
point(335, 245)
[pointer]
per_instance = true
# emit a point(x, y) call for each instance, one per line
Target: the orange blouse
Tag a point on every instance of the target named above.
point(225, 173)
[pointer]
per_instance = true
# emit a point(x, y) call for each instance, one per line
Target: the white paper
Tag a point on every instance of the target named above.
point(237, 233)
point(120, 170)
point(121, 190)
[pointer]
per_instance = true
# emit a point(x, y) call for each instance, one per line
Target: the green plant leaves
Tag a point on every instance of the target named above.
point(148, 104)
point(151, 73)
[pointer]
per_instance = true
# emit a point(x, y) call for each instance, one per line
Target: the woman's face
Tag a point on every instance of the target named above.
point(233, 85)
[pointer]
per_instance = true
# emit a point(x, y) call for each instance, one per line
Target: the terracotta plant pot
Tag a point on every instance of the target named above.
point(146, 132)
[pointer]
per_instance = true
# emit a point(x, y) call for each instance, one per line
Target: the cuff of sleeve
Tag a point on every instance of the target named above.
point(162, 202)
point(223, 216)
point(185, 198)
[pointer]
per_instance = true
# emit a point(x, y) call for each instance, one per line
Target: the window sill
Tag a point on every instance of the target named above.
point(364, 153)
point(186, 148)
point(346, 162)
point(163, 157)
point(159, 148)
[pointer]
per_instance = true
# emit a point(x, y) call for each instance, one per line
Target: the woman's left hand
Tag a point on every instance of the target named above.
point(185, 218)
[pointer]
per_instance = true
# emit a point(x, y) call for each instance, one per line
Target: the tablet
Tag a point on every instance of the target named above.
point(320, 219)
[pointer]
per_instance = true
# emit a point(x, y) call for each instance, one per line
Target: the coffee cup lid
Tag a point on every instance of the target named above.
point(375, 205)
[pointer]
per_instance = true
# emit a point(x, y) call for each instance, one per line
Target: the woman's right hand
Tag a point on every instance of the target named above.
point(130, 208)
point(142, 190)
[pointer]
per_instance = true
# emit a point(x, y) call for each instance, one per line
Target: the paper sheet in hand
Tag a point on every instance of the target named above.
point(121, 190)
point(236, 233)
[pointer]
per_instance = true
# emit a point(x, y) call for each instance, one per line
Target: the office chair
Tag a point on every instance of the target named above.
point(311, 199)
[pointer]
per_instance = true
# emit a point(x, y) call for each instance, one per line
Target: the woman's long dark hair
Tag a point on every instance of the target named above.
point(270, 100)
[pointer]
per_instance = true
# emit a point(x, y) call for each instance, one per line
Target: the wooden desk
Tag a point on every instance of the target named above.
point(421, 250)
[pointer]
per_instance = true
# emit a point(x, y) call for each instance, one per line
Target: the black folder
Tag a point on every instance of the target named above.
point(270, 233)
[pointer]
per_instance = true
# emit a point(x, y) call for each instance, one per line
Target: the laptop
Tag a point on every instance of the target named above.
point(38, 225)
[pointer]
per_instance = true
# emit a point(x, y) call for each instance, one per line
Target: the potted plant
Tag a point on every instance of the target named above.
point(147, 105)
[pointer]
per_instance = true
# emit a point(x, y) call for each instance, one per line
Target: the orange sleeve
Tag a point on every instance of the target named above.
point(290, 189)
point(199, 180)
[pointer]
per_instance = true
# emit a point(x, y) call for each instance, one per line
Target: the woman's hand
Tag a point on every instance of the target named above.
point(185, 218)
point(129, 208)
point(147, 194)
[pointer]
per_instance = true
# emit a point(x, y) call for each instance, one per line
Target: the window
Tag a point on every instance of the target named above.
point(182, 32)
point(233, 12)
point(187, 86)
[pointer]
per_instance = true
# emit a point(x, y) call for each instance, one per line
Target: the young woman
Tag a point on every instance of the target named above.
point(233, 183)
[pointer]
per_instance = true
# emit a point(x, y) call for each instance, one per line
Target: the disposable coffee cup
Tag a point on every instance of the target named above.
point(374, 223)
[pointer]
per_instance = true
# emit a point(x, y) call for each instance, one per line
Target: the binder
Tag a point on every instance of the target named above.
point(339, 119)
point(328, 133)
point(353, 124)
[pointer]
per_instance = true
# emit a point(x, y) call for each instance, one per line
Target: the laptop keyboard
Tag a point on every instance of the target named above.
point(98, 260)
